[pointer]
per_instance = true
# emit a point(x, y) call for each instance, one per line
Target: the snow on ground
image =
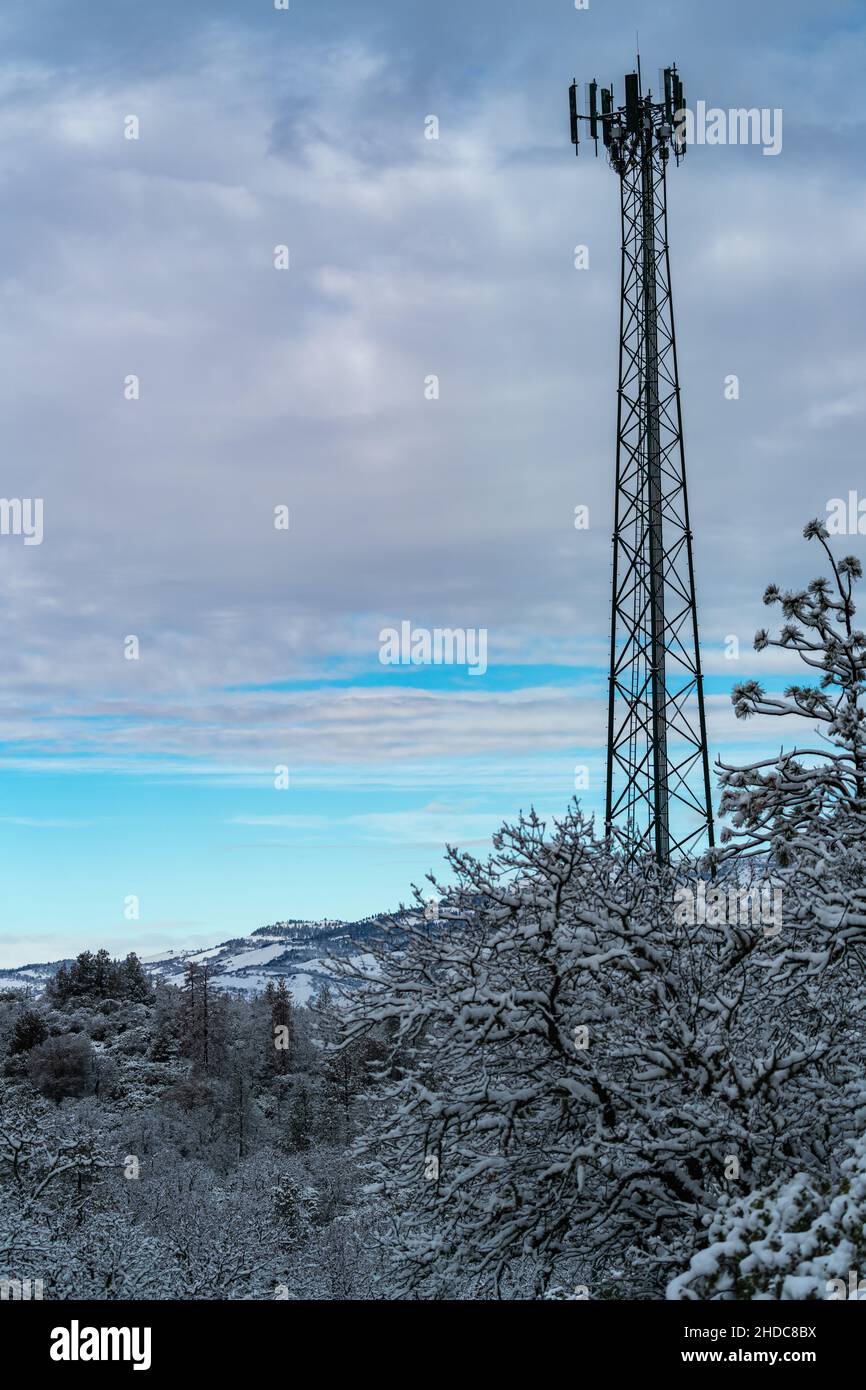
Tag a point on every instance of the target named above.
point(367, 963)
point(303, 987)
point(245, 958)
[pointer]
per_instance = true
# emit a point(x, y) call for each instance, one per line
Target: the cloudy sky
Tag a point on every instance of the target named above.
point(305, 388)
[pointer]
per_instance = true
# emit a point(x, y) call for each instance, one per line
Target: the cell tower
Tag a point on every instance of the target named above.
point(658, 773)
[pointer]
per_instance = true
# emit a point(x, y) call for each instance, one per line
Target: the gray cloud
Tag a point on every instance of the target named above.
point(408, 257)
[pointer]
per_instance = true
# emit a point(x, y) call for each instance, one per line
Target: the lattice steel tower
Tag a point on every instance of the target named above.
point(658, 774)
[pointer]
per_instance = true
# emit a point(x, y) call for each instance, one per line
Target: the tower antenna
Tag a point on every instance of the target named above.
point(658, 796)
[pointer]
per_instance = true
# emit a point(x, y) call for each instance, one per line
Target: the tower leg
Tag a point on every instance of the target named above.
point(654, 505)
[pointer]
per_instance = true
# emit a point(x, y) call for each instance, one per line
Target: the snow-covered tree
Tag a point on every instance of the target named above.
point(203, 1020)
point(794, 804)
point(803, 812)
point(280, 1051)
point(577, 1076)
point(295, 1206)
point(60, 1067)
point(802, 1238)
point(30, 1029)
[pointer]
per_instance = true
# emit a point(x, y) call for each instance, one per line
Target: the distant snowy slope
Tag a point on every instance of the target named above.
point(298, 950)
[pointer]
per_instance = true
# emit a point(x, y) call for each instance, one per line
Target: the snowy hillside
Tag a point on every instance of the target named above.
point(298, 950)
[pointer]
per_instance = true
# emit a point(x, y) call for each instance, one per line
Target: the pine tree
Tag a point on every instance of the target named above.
point(132, 982)
point(301, 1116)
point(28, 1032)
point(239, 1097)
point(345, 1065)
point(281, 1052)
point(167, 1023)
point(98, 976)
point(57, 988)
point(203, 1020)
point(104, 975)
point(77, 981)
